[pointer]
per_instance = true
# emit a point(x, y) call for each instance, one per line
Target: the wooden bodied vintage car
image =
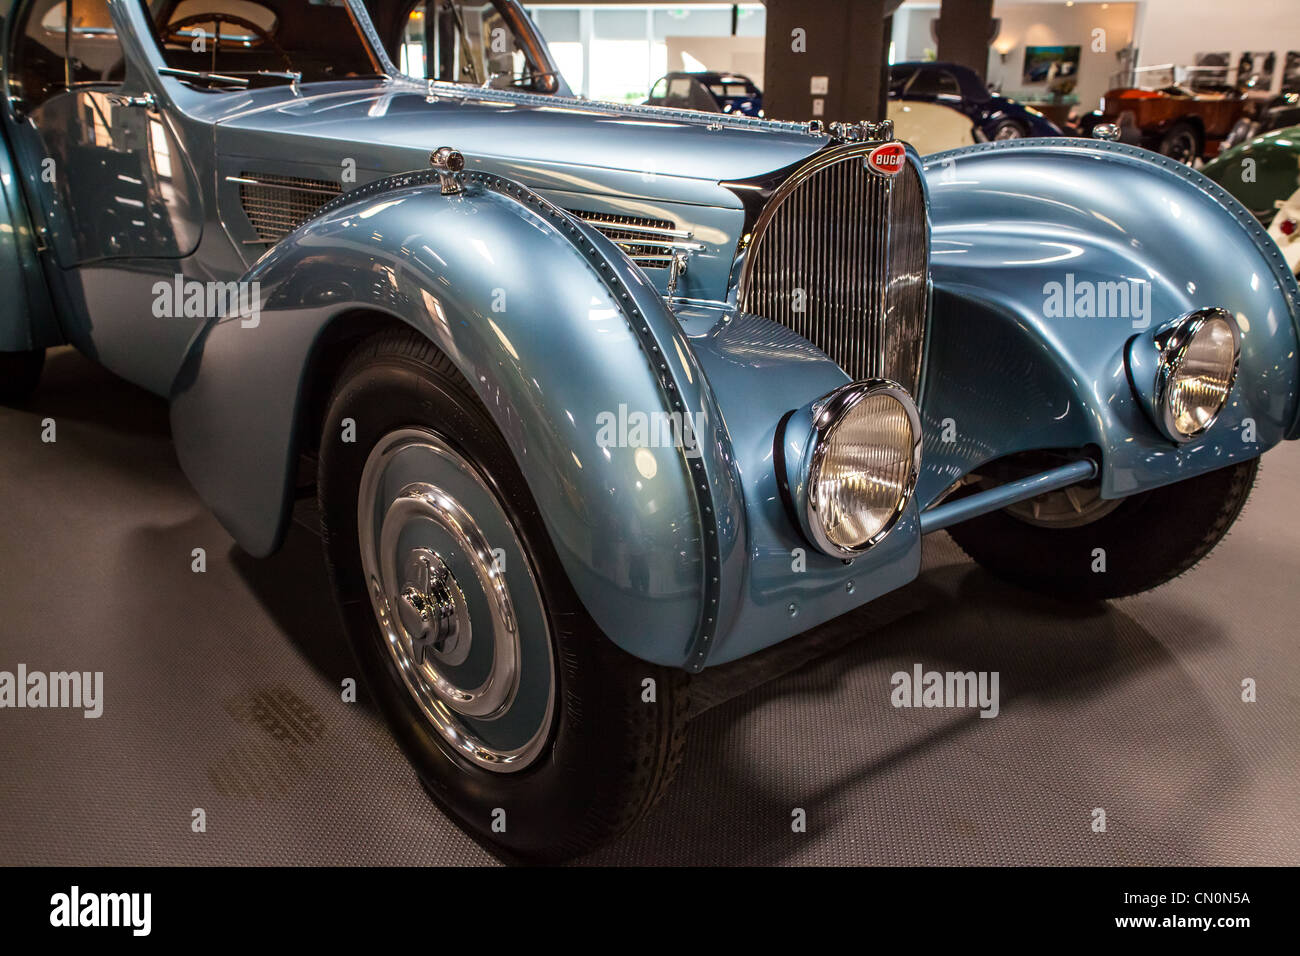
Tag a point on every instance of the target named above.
point(1179, 123)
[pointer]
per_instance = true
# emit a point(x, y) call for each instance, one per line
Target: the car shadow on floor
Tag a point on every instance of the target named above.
point(75, 389)
point(293, 587)
point(733, 799)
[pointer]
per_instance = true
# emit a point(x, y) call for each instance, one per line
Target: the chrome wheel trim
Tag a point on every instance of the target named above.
point(464, 608)
point(1070, 507)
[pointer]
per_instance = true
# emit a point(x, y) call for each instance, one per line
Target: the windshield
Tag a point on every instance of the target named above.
point(262, 40)
point(480, 43)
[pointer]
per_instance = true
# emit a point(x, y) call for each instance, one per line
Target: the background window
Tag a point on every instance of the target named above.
point(616, 52)
point(49, 57)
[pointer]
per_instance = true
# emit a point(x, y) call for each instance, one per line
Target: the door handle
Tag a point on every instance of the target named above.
point(143, 101)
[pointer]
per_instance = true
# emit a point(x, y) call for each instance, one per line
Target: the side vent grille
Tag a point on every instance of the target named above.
point(650, 243)
point(277, 205)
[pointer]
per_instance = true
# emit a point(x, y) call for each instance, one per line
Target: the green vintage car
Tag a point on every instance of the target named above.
point(1262, 172)
point(1265, 175)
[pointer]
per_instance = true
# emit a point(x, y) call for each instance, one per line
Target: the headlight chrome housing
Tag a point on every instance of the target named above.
point(1184, 373)
point(851, 461)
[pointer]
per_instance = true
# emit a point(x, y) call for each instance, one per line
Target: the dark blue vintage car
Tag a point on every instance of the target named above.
point(958, 88)
point(711, 92)
point(593, 397)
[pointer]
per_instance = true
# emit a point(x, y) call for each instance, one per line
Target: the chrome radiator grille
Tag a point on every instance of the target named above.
point(650, 243)
point(277, 205)
point(840, 254)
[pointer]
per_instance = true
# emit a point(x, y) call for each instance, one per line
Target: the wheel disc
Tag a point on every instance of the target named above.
point(1071, 507)
point(454, 595)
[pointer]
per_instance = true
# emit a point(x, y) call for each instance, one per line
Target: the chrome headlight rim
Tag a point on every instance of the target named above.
point(1172, 344)
point(829, 413)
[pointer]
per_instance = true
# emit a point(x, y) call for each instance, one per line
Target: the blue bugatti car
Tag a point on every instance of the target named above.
point(591, 397)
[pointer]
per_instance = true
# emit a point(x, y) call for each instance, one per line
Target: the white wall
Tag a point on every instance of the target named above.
point(912, 32)
point(1034, 24)
point(1055, 24)
point(1174, 31)
point(742, 55)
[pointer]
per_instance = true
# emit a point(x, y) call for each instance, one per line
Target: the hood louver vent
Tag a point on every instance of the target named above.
point(650, 243)
point(277, 205)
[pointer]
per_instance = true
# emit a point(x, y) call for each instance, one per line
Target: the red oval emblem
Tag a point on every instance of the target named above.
point(887, 160)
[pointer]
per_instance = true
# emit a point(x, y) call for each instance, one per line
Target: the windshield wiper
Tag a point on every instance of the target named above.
point(241, 80)
point(204, 77)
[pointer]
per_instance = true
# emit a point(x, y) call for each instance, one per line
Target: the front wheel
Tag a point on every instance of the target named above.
point(1075, 545)
point(20, 372)
point(517, 713)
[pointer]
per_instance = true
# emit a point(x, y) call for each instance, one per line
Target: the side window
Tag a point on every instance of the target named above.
point(934, 83)
point(262, 42)
point(898, 78)
point(62, 45)
point(679, 92)
point(458, 41)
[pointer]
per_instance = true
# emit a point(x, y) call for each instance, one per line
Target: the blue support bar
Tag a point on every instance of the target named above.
point(955, 512)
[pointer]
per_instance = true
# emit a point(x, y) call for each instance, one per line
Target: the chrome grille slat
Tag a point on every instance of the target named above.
point(858, 244)
point(277, 205)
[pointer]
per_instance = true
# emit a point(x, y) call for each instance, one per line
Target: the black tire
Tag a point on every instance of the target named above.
point(1149, 539)
point(1183, 142)
point(20, 373)
point(610, 756)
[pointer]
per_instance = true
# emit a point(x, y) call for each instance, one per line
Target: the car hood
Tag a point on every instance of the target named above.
point(494, 128)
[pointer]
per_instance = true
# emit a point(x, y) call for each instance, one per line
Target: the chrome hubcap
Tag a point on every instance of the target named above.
point(453, 593)
point(432, 610)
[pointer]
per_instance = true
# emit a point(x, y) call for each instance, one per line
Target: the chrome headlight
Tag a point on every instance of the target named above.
point(851, 461)
point(1193, 364)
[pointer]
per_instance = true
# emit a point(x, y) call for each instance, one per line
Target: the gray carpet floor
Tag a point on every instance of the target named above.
point(222, 693)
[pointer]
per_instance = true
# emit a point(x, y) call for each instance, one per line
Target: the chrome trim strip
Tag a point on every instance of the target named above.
point(248, 181)
point(657, 230)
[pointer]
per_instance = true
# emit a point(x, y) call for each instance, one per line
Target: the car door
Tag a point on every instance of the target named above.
point(107, 181)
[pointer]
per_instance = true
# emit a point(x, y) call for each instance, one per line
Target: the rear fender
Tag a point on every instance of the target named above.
point(553, 327)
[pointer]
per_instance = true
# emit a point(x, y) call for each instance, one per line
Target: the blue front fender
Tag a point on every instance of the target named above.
point(1022, 229)
point(552, 326)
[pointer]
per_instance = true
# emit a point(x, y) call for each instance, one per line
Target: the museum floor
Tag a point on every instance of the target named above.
point(221, 692)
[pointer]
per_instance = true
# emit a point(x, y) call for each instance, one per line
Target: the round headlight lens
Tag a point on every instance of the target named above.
point(864, 468)
point(1200, 369)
